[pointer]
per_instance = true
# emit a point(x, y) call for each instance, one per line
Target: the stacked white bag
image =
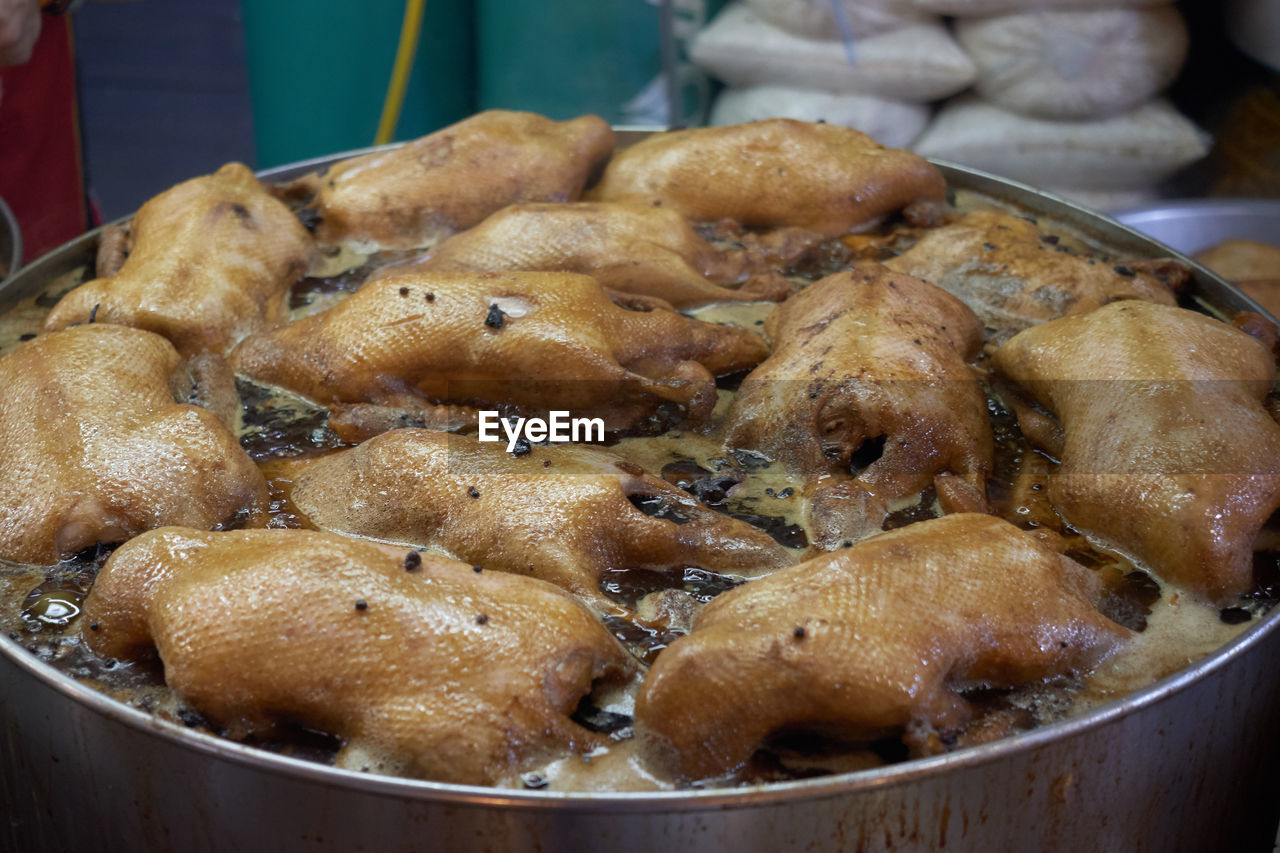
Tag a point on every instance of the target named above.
point(1065, 93)
point(873, 65)
point(1067, 96)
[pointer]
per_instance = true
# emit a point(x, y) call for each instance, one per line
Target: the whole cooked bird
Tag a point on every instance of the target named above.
point(527, 341)
point(649, 251)
point(1167, 453)
point(1013, 275)
point(564, 514)
point(772, 174)
point(94, 447)
point(208, 262)
point(418, 662)
point(416, 193)
point(860, 643)
point(863, 355)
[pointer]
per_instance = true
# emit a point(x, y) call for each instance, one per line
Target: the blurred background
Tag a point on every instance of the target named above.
point(1116, 104)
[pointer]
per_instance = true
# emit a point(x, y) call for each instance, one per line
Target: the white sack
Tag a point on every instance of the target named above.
point(917, 63)
point(1075, 64)
point(1134, 150)
point(816, 19)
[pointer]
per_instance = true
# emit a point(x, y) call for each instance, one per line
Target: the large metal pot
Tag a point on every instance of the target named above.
point(1190, 763)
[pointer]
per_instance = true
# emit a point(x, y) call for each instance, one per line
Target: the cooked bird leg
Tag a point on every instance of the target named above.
point(770, 174)
point(449, 674)
point(561, 513)
point(859, 643)
point(93, 447)
point(532, 341)
point(1168, 454)
point(645, 250)
point(859, 355)
point(415, 194)
point(211, 260)
point(1012, 275)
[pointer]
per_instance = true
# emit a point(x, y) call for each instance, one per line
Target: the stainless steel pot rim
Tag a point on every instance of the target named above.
point(642, 801)
point(1116, 234)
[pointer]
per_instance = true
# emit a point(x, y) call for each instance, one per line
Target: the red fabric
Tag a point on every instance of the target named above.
point(41, 177)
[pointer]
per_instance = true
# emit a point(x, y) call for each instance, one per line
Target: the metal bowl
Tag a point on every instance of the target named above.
point(1193, 225)
point(10, 243)
point(1191, 762)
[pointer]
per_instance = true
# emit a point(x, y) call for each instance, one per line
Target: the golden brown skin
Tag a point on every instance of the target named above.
point(452, 179)
point(861, 642)
point(212, 260)
point(1242, 260)
point(649, 251)
point(457, 676)
point(560, 513)
point(1012, 278)
point(93, 447)
point(863, 354)
point(1264, 291)
point(1253, 267)
point(553, 341)
point(1167, 452)
point(769, 174)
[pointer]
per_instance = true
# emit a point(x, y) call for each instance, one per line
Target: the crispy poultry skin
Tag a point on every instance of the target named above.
point(1167, 453)
point(863, 641)
point(1013, 276)
point(212, 260)
point(452, 179)
point(863, 354)
point(649, 251)
point(93, 447)
point(559, 513)
point(770, 174)
point(461, 676)
point(535, 341)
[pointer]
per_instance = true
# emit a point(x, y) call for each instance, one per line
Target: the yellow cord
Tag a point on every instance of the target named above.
point(413, 12)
